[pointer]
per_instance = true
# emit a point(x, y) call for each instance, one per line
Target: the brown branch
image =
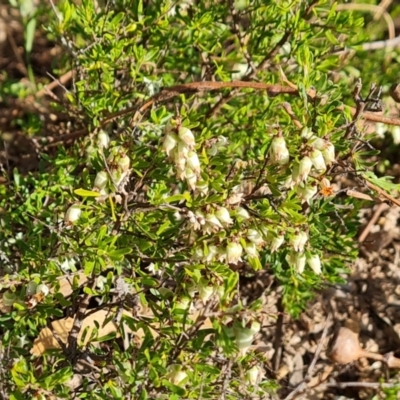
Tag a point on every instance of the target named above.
point(196, 87)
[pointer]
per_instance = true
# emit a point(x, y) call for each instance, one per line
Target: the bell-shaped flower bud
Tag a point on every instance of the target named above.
point(43, 289)
point(187, 137)
point(169, 143)
point(254, 375)
point(315, 263)
point(278, 151)
point(251, 250)
point(242, 213)
point(328, 152)
point(103, 139)
point(211, 255)
point(124, 163)
point(191, 178)
point(202, 188)
point(255, 236)
point(31, 288)
point(318, 161)
point(306, 192)
point(276, 242)
point(298, 241)
point(9, 298)
point(73, 213)
point(304, 168)
point(223, 215)
point(212, 220)
point(176, 375)
point(233, 253)
point(100, 181)
point(297, 261)
point(193, 162)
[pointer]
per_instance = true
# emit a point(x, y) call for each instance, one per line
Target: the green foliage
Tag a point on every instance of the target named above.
point(172, 203)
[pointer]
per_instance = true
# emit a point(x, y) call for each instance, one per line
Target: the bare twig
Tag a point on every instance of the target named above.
point(382, 207)
point(303, 385)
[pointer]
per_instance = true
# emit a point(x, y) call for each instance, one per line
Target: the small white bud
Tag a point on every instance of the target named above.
point(304, 168)
point(253, 375)
point(101, 180)
point(186, 136)
point(297, 261)
point(202, 188)
point(223, 215)
point(193, 162)
point(306, 193)
point(233, 253)
point(255, 237)
point(242, 213)
point(278, 151)
point(298, 241)
point(396, 134)
point(175, 374)
point(213, 220)
point(205, 290)
point(380, 129)
point(318, 161)
point(315, 263)
point(73, 213)
point(124, 163)
point(328, 153)
point(103, 140)
point(191, 178)
point(169, 143)
point(251, 250)
point(42, 288)
point(277, 242)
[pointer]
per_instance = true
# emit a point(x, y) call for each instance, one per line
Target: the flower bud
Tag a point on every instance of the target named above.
point(307, 192)
point(42, 288)
point(277, 242)
point(9, 298)
point(396, 134)
point(242, 213)
point(380, 129)
point(255, 237)
point(124, 163)
point(304, 168)
point(202, 188)
point(193, 162)
point(233, 253)
point(191, 178)
point(212, 253)
point(169, 143)
point(186, 136)
point(175, 374)
point(223, 215)
point(73, 213)
point(297, 261)
point(101, 180)
point(212, 220)
point(278, 151)
point(31, 288)
point(328, 153)
point(315, 263)
point(318, 161)
point(298, 241)
point(254, 375)
point(251, 250)
point(103, 140)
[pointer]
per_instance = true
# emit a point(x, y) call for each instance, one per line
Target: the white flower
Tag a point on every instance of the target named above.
point(233, 252)
point(175, 374)
point(318, 161)
point(277, 242)
point(251, 250)
point(315, 263)
point(298, 241)
point(306, 193)
point(304, 168)
point(191, 178)
point(103, 140)
point(297, 260)
point(186, 136)
point(42, 288)
point(242, 213)
point(223, 215)
point(306, 132)
point(101, 180)
point(212, 220)
point(278, 151)
point(193, 162)
point(328, 153)
point(255, 237)
point(202, 188)
point(212, 253)
point(73, 213)
point(169, 143)
point(253, 375)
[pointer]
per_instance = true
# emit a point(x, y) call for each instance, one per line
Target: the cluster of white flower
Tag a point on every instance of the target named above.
point(320, 153)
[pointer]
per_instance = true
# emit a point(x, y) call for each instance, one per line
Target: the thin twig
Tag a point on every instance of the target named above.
point(382, 207)
point(303, 384)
